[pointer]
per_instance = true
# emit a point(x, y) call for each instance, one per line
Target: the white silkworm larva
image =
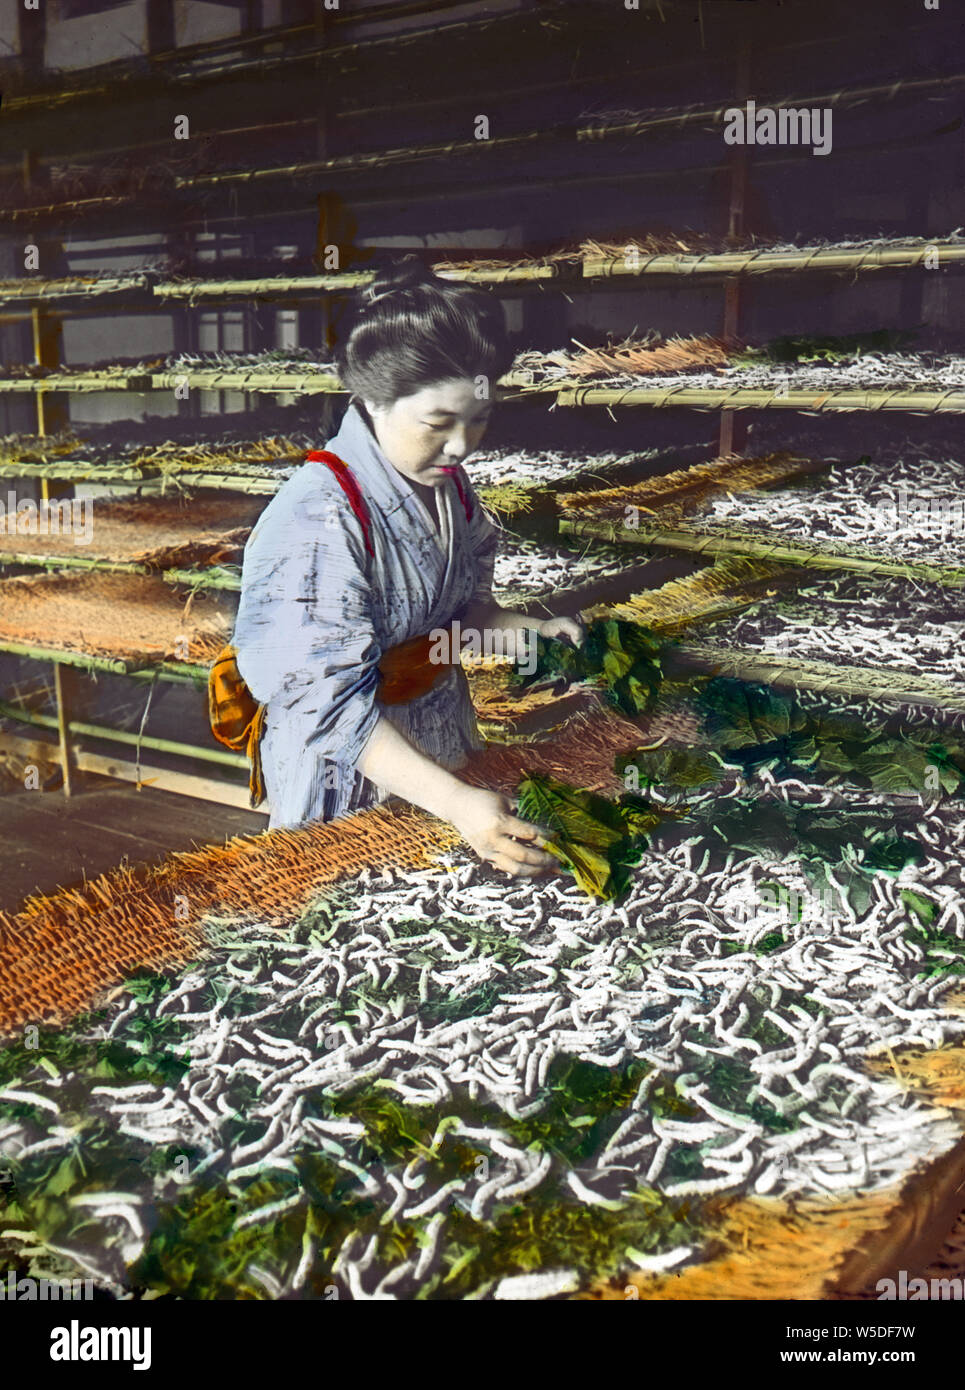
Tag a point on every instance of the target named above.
point(593, 1199)
point(32, 1098)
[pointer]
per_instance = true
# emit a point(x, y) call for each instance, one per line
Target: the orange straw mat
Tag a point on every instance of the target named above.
point(163, 532)
point(136, 617)
point(730, 584)
point(729, 473)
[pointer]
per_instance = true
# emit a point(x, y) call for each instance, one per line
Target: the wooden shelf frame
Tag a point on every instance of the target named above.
point(590, 273)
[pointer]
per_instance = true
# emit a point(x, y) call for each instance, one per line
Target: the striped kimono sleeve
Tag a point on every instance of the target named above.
point(304, 632)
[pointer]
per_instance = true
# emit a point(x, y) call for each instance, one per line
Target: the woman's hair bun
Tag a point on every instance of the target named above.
point(404, 274)
point(409, 329)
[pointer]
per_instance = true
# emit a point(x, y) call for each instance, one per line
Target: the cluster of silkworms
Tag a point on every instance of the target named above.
point(851, 619)
point(893, 371)
point(275, 359)
point(490, 467)
point(454, 987)
point(575, 467)
point(875, 714)
point(901, 504)
point(527, 568)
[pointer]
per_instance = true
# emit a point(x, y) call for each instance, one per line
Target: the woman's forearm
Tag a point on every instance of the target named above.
point(396, 765)
point(490, 615)
point(486, 820)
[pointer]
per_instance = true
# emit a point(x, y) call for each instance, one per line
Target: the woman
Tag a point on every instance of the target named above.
point(342, 569)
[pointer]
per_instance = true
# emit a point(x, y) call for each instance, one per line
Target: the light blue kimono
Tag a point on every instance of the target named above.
point(317, 612)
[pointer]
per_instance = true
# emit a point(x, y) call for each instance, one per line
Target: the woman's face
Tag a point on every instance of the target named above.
point(433, 429)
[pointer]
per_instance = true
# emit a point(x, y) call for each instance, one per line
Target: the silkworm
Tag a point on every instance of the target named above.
point(428, 1253)
point(434, 1200)
point(593, 1199)
point(269, 1212)
point(527, 1183)
point(482, 1196)
point(530, 1287)
point(29, 1150)
point(32, 1098)
point(167, 1134)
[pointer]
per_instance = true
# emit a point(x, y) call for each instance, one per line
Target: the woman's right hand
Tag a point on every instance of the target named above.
point(486, 820)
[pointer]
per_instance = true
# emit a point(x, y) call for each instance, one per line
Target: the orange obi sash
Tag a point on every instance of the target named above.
point(238, 721)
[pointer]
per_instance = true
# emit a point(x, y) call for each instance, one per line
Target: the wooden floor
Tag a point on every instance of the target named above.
point(49, 841)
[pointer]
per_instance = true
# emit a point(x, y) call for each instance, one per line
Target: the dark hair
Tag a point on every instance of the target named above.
point(409, 329)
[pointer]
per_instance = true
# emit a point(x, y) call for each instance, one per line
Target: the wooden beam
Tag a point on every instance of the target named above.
point(182, 783)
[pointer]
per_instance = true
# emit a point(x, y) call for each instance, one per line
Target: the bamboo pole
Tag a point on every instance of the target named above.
point(745, 545)
point(913, 399)
point(267, 288)
point(175, 672)
point(257, 478)
point(241, 379)
point(264, 288)
point(860, 682)
point(213, 578)
point(16, 291)
point(219, 482)
point(75, 469)
point(182, 783)
point(156, 745)
point(69, 561)
point(61, 657)
point(147, 474)
point(62, 381)
point(102, 202)
point(762, 262)
point(757, 261)
point(225, 379)
point(118, 736)
point(514, 385)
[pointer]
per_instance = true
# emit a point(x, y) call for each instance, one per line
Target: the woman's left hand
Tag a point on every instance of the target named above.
point(570, 629)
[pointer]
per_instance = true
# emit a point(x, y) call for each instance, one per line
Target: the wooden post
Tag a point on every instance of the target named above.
point(733, 432)
point(47, 330)
point(326, 235)
point(180, 247)
point(911, 303)
point(319, 320)
point(161, 35)
point(64, 688)
point(337, 226)
point(32, 33)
